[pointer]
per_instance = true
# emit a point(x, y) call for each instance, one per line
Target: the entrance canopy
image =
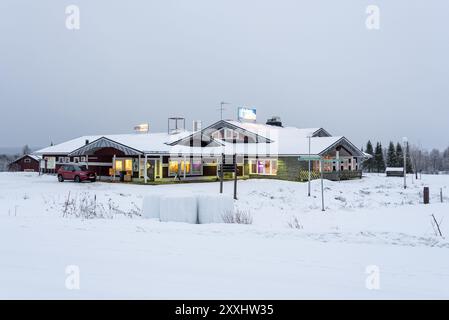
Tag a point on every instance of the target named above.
point(101, 143)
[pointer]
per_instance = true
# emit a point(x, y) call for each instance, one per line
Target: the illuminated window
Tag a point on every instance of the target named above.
point(128, 165)
point(118, 165)
point(173, 167)
point(187, 164)
point(197, 167)
point(263, 167)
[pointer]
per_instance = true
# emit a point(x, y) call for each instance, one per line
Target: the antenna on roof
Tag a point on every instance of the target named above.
point(222, 108)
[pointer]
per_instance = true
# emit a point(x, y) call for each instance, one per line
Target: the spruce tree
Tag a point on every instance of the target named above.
point(369, 163)
point(399, 156)
point(408, 165)
point(379, 162)
point(391, 156)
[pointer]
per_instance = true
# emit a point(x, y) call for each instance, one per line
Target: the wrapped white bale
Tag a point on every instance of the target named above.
point(179, 208)
point(151, 206)
point(212, 207)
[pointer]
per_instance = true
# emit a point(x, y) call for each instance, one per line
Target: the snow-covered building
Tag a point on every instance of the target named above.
point(26, 162)
point(262, 150)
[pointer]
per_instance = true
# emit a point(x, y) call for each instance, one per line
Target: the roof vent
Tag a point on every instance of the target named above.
point(274, 121)
point(87, 141)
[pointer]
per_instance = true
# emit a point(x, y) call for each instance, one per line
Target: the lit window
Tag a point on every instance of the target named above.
point(118, 165)
point(264, 167)
point(173, 167)
point(128, 165)
point(196, 166)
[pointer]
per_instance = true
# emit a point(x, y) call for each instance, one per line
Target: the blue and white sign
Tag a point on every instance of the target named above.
point(247, 114)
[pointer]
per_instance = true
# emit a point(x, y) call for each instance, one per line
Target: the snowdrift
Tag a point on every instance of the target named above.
point(179, 208)
point(151, 208)
point(190, 208)
point(212, 207)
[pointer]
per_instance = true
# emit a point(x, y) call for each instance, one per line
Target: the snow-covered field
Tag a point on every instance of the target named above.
point(370, 224)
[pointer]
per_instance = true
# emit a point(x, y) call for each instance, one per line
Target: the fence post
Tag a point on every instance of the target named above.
point(426, 195)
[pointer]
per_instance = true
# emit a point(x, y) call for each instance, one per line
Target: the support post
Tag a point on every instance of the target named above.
point(185, 166)
point(145, 173)
point(87, 161)
point(221, 172)
point(308, 187)
point(337, 156)
point(235, 176)
point(322, 185)
point(426, 194)
point(113, 168)
point(138, 161)
point(405, 161)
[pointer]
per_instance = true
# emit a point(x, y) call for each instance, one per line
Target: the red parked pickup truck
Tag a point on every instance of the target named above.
point(75, 172)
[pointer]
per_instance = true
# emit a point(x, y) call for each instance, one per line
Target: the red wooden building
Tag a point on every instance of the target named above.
point(27, 163)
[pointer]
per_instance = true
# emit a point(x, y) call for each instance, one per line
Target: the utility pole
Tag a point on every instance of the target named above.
point(404, 139)
point(322, 185)
point(309, 168)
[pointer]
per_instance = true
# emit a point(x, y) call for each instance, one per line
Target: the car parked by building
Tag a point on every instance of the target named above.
point(76, 172)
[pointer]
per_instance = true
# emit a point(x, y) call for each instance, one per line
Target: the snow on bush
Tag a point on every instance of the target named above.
point(86, 206)
point(151, 208)
point(294, 223)
point(239, 216)
point(212, 207)
point(179, 208)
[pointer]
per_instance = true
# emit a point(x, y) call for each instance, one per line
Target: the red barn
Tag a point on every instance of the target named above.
point(27, 162)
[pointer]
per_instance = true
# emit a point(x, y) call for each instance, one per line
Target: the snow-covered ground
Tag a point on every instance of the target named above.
point(369, 224)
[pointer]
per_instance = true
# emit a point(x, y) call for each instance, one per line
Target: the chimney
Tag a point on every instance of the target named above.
point(197, 125)
point(87, 141)
point(274, 121)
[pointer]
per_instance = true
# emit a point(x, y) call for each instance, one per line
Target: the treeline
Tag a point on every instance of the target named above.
point(417, 158)
point(6, 159)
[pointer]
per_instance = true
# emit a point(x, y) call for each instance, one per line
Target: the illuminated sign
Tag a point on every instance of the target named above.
point(247, 114)
point(144, 127)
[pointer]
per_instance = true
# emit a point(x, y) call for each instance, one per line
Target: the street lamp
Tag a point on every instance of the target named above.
point(405, 141)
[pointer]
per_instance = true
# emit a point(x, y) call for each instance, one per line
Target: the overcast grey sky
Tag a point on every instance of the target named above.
point(313, 63)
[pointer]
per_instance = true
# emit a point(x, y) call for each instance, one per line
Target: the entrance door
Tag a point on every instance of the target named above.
point(151, 165)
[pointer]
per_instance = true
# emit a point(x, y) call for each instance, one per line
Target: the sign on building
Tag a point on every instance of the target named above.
point(246, 114)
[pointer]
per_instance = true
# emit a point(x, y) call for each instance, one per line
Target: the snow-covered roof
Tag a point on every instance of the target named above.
point(264, 129)
point(32, 156)
point(144, 142)
point(281, 141)
point(395, 169)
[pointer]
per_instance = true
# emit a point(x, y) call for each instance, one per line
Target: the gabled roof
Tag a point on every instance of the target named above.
point(207, 132)
point(104, 142)
point(142, 142)
point(32, 156)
